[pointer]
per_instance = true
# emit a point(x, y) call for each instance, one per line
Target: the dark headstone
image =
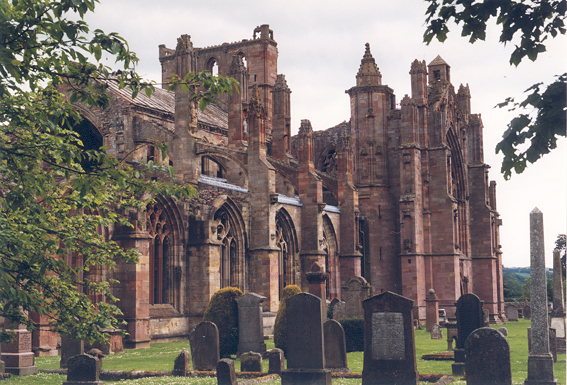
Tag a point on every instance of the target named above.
point(355, 290)
point(83, 369)
point(276, 361)
point(225, 372)
point(527, 311)
point(335, 347)
point(470, 316)
point(181, 366)
point(339, 311)
point(204, 342)
point(250, 323)
point(250, 362)
point(389, 343)
point(70, 347)
point(487, 358)
point(540, 360)
point(305, 348)
point(436, 332)
point(512, 313)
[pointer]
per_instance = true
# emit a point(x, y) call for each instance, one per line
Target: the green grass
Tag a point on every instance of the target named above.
point(160, 356)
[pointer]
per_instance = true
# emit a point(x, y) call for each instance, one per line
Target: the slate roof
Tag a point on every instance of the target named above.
point(163, 101)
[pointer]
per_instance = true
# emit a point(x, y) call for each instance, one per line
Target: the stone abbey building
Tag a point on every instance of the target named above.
point(399, 194)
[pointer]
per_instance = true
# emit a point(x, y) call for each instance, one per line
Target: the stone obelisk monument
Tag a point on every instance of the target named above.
point(540, 360)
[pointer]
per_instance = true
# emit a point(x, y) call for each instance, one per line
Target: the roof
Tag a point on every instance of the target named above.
point(438, 61)
point(163, 101)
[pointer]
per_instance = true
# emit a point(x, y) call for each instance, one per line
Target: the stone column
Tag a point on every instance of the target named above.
point(558, 301)
point(317, 279)
point(540, 361)
point(431, 310)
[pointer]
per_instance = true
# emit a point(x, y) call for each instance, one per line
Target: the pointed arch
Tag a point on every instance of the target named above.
point(331, 249)
point(288, 255)
point(231, 234)
point(166, 264)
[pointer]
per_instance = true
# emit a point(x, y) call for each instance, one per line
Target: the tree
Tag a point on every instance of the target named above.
point(54, 191)
point(542, 119)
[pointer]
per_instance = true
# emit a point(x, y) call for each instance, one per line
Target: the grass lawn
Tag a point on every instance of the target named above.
point(161, 356)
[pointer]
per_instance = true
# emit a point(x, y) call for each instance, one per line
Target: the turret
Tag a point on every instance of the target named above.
point(439, 70)
point(418, 74)
point(281, 133)
point(236, 130)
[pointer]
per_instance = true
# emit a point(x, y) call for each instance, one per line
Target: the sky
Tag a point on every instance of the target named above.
point(320, 45)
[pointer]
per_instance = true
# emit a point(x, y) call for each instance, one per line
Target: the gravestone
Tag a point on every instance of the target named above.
point(204, 341)
point(503, 331)
point(389, 342)
point(70, 347)
point(83, 370)
point(487, 358)
point(527, 310)
point(558, 324)
point(436, 332)
point(540, 360)
point(552, 343)
point(339, 311)
point(250, 323)
point(470, 316)
point(432, 310)
point(250, 362)
point(355, 290)
point(485, 318)
point(511, 313)
point(225, 372)
point(181, 366)
point(276, 361)
point(335, 347)
point(17, 355)
point(305, 342)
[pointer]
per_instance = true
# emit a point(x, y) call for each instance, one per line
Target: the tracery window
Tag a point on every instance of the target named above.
point(229, 249)
point(286, 251)
point(328, 161)
point(161, 267)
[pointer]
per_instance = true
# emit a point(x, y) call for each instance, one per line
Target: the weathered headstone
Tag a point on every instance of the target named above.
point(83, 369)
point(226, 374)
point(17, 355)
point(432, 310)
point(540, 361)
point(204, 340)
point(276, 361)
point(470, 316)
point(181, 365)
point(250, 362)
point(70, 347)
point(305, 344)
point(558, 324)
point(389, 342)
point(527, 310)
point(339, 311)
point(511, 313)
point(552, 343)
point(335, 347)
point(485, 318)
point(503, 331)
point(355, 290)
point(250, 323)
point(487, 358)
point(436, 332)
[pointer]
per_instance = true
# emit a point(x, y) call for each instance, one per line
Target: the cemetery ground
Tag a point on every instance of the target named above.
point(161, 356)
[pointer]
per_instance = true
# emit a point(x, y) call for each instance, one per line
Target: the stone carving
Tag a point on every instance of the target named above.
point(487, 358)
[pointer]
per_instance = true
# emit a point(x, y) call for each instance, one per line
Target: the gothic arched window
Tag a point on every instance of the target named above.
point(229, 263)
point(161, 266)
point(285, 242)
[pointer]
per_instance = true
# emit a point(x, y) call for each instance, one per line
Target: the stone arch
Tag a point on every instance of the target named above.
point(243, 57)
point(327, 161)
point(213, 65)
point(234, 171)
point(331, 249)
point(231, 234)
point(288, 251)
point(166, 263)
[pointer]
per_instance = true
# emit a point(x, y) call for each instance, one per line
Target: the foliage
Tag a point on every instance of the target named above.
point(526, 288)
point(354, 334)
point(532, 22)
point(512, 290)
point(280, 324)
point(55, 193)
point(222, 310)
